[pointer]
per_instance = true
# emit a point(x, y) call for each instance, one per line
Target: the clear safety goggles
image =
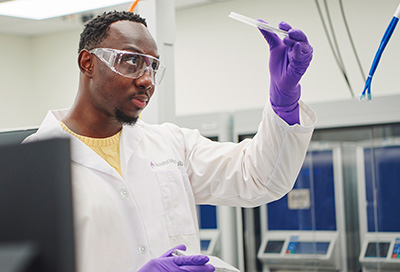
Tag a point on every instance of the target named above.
point(129, 64)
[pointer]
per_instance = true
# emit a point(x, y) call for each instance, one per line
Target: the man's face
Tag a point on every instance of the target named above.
point(114, 95)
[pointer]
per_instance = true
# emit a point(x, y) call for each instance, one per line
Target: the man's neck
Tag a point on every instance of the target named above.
point(94, 127)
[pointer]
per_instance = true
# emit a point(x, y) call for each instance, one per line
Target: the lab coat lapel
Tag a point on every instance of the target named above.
point(84, 155)
point(131, 137)
point(80, 152)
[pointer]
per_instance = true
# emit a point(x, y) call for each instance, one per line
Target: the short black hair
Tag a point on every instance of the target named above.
point(96, 30)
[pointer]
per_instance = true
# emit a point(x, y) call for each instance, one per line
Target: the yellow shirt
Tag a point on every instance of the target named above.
point(107, 148)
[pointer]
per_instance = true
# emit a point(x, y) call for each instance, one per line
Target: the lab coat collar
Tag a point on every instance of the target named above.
point(131, 137)
point(80, 152)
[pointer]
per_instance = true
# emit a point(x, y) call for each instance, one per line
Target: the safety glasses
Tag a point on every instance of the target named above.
point(129, 64)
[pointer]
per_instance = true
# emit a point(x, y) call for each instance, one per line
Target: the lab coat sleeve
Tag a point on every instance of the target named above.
point(253, 172)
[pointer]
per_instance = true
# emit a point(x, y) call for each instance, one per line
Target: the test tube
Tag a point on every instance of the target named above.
point(258, 24)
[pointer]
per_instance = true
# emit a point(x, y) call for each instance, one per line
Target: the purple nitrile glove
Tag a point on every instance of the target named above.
point(289, 60)
point(169, 263)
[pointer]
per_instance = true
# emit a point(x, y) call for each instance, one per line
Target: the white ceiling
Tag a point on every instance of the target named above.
point(27, 27)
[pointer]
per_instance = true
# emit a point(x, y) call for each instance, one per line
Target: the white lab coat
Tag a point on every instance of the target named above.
point(121, 223)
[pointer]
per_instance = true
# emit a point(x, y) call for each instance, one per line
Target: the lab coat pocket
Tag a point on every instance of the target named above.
point(177, 210)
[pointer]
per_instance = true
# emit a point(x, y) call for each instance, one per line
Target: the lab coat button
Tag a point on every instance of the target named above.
point(124, 193)
point(142, 249)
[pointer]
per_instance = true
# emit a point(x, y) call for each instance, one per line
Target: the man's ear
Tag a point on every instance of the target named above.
point(85, 62)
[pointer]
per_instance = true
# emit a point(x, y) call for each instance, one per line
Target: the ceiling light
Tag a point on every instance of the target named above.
point(45, 9)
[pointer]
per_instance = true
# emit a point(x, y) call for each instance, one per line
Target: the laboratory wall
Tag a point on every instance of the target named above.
point(55, 69)
point(221, 65)
point(16, 85)
point(37, 74)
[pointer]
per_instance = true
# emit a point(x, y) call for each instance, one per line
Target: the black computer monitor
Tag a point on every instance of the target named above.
point(36, 217)
point(15, 136)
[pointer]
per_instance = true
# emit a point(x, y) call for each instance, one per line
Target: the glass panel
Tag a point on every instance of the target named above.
point(311, 203)
point(207, 216)
point(371, 172)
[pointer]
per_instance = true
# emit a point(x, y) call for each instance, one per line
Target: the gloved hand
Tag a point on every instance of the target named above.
point(169, 263)
point(289, 60)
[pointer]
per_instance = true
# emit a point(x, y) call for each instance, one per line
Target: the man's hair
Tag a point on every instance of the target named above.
point(96, 30)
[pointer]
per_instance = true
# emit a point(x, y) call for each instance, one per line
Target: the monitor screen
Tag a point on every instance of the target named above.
point(213, 138)
point(36, 203)
point(396, 249)
point(377, 250)
point(297, 247)
point(274, 246)
point(245, 136)
point(204, 244)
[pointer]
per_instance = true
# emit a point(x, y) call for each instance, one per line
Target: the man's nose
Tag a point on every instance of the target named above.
point(146, 80)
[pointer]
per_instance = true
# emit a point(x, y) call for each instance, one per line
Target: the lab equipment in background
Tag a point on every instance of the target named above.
point(36, 227)
point(378, 180)
point(212, 219)
point(245, 124)
point(385, 39)
point(258, 24)
point(306, 229)
point(309, 229)
point(210, 234)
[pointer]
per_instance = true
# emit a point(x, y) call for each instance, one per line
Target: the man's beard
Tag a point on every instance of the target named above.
point(125, 119)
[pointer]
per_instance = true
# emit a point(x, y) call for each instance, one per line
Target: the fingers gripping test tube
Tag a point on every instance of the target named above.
point(258, 24)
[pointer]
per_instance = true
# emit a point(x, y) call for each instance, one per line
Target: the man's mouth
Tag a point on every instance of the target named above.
point(139, 103)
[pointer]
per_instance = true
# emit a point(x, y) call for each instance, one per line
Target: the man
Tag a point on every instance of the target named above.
point(135, 185)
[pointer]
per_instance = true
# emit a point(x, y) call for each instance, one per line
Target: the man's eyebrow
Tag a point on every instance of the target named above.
point(131, 48)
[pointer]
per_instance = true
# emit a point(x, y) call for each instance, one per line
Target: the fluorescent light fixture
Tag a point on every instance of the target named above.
point(45, 9)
